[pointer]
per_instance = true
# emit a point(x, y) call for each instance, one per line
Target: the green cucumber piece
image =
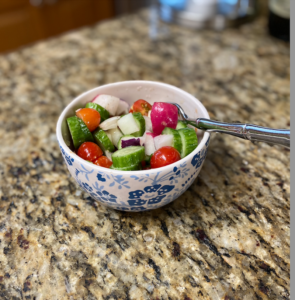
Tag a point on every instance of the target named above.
point(79, 131)
point(177, 142)
point(140, 121)
point(119, 146)
point(148, 159)
point(104, 114)
point(189, 141)
point(129, 168)
point(129, 156)
point(181, 124)
point(103, 141)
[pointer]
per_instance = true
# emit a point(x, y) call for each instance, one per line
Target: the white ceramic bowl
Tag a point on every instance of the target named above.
point(135, 190)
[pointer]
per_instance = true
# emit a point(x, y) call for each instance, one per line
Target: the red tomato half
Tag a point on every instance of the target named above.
point(164, 156)
point(141, 106)
point(90, 117)
point(103, 161)
point(89, 151)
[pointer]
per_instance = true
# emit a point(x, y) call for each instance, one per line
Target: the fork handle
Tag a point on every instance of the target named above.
point(245, 131)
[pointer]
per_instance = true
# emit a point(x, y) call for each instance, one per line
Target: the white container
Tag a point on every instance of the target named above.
point(135, 190)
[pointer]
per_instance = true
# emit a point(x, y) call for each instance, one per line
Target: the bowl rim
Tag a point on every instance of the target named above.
point(150, 171)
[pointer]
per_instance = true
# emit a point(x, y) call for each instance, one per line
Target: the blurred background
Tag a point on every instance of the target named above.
point(26, 21)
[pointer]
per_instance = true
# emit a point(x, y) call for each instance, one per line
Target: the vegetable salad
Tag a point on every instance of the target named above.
point(110, 134)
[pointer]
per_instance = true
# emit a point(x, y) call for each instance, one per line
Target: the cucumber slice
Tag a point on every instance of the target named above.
point(104, 114)
point(140, 121)
point(189, 141)
point(124, 137)
point(177, 143)
point(127, 124)
point(103, 141)
point(148, 159)
point(79, 131)
point(129, 156)
point(129, 168)
point(181, 124)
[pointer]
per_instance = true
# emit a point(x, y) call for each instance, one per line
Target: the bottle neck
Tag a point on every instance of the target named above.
point(280, 8)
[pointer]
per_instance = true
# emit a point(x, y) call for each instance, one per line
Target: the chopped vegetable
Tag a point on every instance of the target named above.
point(104, 114)
point(89, 151)
point(163, 140)
point(116, 134)
point(127, 141)
point(176, 142)
point(109, 123)
point(123, 108)
point(163, 115)
point(90, 117)
point(103, 140)
point(146, 137)
point(181, 124)
point(189, 141)
point(128, 156)
point(141, 106)
point(110, 103)
point(164, 157)
point(103, 161)
point(149, 143)
point(79, 131)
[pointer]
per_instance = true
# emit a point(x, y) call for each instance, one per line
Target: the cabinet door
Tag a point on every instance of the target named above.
point(66, 15)
point(22, 23)
point(17, 24)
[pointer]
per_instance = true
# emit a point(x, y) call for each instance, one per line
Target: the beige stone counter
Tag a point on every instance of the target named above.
point(227, 237)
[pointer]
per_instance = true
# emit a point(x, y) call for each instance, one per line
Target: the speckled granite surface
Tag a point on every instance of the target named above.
point(226, 238)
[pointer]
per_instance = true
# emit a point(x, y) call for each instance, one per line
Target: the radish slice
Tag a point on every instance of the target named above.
point(110, 103)
point(127, 124)
point(163, 115)
point(163, 140)
point(149, 143)
point(109, 123)
point(123, 108)
point(116, 135)
point(109, 155)
point(148, 124)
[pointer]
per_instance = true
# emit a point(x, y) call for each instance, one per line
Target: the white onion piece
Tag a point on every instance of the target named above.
point(123, 108)
point(109, 123)
point(148, 124)
point(142, 139)
point(110, 103)
point(127, 124)
point(109, 136)
point(149, 113)
point(163, 140)
point(116, 135)
point(149, 144)
point(109, 155)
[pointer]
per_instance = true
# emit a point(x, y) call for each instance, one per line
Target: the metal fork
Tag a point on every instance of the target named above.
point(249, 132)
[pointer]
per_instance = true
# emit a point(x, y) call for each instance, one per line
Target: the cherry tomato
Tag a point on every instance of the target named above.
point(164, 156)
point(141, 106)
point(103, 161)
point(90, 117)
point(89, 151)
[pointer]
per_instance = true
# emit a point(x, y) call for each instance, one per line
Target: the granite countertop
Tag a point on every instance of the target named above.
point(227, 237)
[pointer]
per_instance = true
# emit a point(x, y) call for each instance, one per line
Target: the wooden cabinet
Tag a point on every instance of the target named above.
point(21, 22)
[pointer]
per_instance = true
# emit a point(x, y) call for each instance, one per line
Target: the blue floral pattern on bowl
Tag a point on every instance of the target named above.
point(141, 192)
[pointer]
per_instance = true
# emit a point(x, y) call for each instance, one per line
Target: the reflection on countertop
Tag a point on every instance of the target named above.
point(227, 237)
